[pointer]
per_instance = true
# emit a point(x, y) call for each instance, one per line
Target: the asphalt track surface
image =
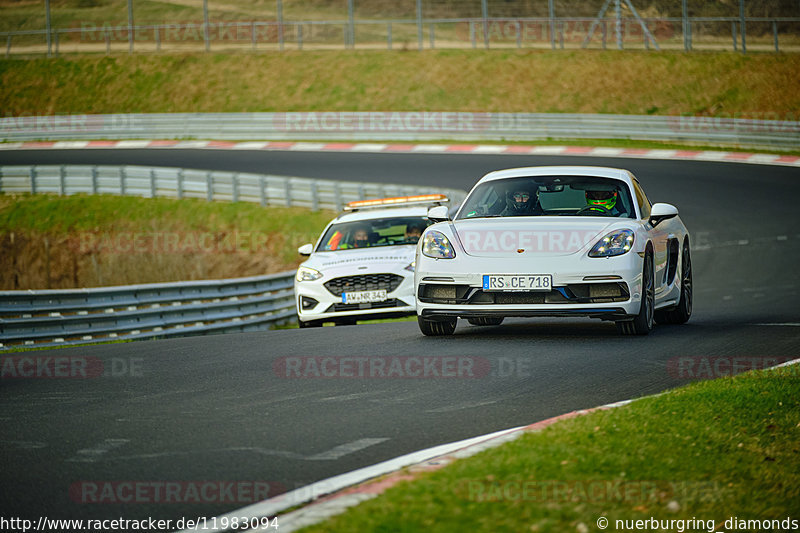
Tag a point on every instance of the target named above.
point(219, 409)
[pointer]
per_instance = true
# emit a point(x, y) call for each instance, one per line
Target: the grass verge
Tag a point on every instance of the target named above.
point(717, 84)
point(710, 451)
point(87, 241)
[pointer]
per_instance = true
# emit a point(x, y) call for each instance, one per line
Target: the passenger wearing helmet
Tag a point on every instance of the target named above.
point(602, 202)
point(521, 201)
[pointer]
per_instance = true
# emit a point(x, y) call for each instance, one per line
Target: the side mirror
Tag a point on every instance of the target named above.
point(661, 212)
point(306, 249)
point(438, 213)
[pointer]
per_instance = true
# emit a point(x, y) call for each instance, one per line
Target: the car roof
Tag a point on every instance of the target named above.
point(383, 212)
point(561, 170)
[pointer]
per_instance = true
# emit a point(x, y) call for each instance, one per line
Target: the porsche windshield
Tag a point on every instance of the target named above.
point(549, 196)
point(373, 233)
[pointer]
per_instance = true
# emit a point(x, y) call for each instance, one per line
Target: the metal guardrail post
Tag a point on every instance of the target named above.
point(287, 185)
point(209, 187)
point(337, 196)
point(262, 188)
point(62, 180)
point(122, 178)
point(153, 189)
point(179, 184)
point(314, 196)
point(235, 186)
point(33, 179)
point(94, 179)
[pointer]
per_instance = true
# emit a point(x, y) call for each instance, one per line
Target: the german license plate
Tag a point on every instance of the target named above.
point(517, 282)
point(363, 297)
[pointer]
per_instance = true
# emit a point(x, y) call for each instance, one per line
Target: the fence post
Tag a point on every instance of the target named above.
point(519, 34)
point(280, 25)
point(605, 32)
point(62, 180)
point(742, 26)
point(108, 43)
point(775, 35)
point(552, 23)
point(47, 23)
point(57, 43)
point(419, 24)
point(205, 26)
point(472, 38)
point(433, 36)
point(8, 46)
point(685, 21)
point(299, 36)
point(253, 34)
point(157, 30)
point(33, 179)
point(287, 187)
point(209, 187)
point(389, 36)
point(262, 188)
point(485, 14)
point(733, 34)
point(153, 183)
point(351, 30)
point(122, 176)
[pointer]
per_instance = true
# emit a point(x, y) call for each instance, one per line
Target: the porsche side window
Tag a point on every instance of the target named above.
point(641, 199)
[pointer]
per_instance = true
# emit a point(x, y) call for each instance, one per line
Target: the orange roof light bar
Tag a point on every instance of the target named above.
point(399, 200)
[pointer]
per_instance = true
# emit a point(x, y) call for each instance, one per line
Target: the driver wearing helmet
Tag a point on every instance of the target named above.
point(604, 202)
point(522, 201)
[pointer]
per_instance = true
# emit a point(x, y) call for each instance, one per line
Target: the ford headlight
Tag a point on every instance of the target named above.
point(307, 274)
point(617, 242)
point(436, 245)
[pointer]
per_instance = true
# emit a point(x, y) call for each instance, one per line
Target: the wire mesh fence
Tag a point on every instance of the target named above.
point(143, 26)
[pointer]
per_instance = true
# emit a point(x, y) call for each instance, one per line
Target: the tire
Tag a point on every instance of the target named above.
point(436, 328)
point(486, 321)
point(680, 313)
point(642, 324)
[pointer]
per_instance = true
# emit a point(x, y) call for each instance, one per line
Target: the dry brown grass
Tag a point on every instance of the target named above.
point(664, 83)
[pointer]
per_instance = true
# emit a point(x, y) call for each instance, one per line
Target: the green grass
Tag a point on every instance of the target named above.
point(90, 239)
point(717, 84)
point(717, 449)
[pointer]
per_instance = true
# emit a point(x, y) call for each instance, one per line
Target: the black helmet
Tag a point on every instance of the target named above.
point(520, 200)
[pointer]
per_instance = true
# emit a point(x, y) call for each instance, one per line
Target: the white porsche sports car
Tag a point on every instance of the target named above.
point(362, 266)
point(555, 241)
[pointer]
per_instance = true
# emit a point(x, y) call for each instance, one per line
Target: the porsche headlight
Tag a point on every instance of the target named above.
point(617, 242)
point(307, 274)
point(435, 244)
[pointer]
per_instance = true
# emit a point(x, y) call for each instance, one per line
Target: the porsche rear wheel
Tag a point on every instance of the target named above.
point(642, 323)
point(680, 313)
point(435, 328)
point(486, 321)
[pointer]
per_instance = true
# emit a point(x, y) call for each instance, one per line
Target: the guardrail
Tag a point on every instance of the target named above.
point(42, 318)
point(772, 133)
point(62, 317)
point(152, 182)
